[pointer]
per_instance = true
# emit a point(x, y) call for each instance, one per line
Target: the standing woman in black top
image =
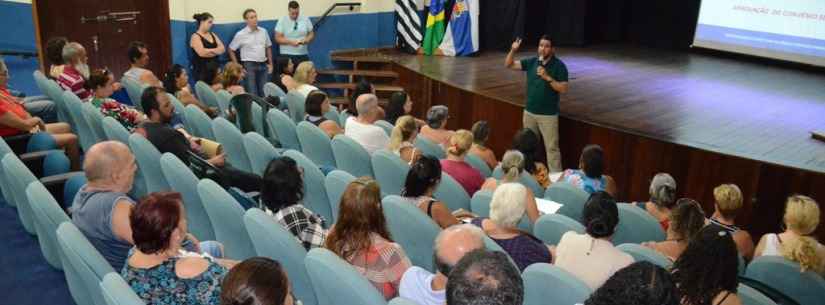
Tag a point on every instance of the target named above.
point(207, 47)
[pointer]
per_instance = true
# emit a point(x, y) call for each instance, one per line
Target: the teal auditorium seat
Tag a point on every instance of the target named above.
point(570, 196)
point(750, 296)
point(636, 226)
point(179, 108)
point(351, 157)
point(45, 86)
point(115, 131)
point(337, 282)
point(551, 227)
point(390, 171)
point(83, 266)
point(315, 144)
point(271, 240)
point(548, 284)
point(224, 98)
point(206, 95)
point(71, 188)
point(47, 217)
point(526, 179)
point(134, 91)
point(259, 151)
point(117, 292)
point(430, 148)
point(401, 301)
point(386, 126)
point(271, 89)
point(182, 180)
point(336, 183)
point(198, 123)
point(86, 136)
point(95, 120)
point(226, 216)
point(283, 128)
point(315, 194)
point(479, 165)
point(231, 140)
point(412, 229)
point(642, 253)
point(806, 288)
point(17, 177)
point(147, 157)
point(334, 116)
point(297, 105)
point(451, 193)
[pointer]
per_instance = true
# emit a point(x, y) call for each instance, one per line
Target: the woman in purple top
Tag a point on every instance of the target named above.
point(507, 208)
point(469, 177)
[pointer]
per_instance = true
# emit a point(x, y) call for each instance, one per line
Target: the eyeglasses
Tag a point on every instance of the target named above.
point(295, 25)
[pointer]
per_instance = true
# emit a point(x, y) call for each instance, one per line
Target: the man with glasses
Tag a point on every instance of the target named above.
point(293, 33)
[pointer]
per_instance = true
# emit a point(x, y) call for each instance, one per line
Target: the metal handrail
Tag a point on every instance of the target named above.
point(323, 18)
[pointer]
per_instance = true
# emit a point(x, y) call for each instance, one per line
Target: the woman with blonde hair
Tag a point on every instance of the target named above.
point(728, 202)
point(361, 237)
point(469, 177)
point(302, 80)
point(233, 74)
point(795, 244)
point(402, 139)
point(513, 166)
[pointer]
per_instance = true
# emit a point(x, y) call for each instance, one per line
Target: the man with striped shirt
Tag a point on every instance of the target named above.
point(76, 70)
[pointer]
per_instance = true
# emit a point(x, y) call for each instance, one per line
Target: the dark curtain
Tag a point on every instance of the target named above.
point(501, 21)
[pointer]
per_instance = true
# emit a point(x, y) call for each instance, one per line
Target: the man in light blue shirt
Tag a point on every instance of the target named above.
point(293, 33)
point(256, 55)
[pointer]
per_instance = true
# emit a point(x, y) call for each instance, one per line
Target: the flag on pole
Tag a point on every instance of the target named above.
point(435, 27)
point(408, 25)
point(461, 38)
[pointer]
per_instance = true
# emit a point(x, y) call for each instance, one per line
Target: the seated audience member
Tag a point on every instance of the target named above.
point(75, 70)
point(466, 175)
point(436, 128)
point(217, 81)
point(317, 103)
point(686, 220)
point(507, 208)
point(481, 133)
point(526, 141)
point(728, 202)
point(233, 74)
point(165, 138)
point(54, 53)
point(158, 269)
point(592, 257)
point(15, 120)
point(284, 69)
point(641, 283)
point(360, 236)
point(484, 278)
point(402, 139)
point(257, 281)
point(662, 199)
point(451, 244)
point(303, 79)
point(38, 106)
point(422, 180)
point(282, 193)
point(795, 243)
point(101, 208)
point(706, 273)
point(176, 82)
point(101, 82)
point(139, 59)
point(361, 88)
point(399, 105)
point(362, 128)
point(590, 175)
point(513, 165)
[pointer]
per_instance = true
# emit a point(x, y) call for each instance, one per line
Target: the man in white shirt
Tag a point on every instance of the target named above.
point(451, 245)
point(139, 58)
point(256, 55)
point(293, 33)
point(362, 129)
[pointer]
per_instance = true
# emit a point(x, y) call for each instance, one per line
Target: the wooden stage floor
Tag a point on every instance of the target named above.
point(732, 106)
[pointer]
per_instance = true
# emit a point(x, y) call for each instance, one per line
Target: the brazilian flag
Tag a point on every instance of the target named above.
point(436, 26)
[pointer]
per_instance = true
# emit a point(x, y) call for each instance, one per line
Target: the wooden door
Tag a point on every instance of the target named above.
point(106, 27)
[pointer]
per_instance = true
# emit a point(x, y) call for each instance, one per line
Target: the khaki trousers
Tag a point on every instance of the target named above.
point(547, 127)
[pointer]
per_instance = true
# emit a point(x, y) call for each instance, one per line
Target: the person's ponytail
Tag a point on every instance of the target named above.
point(803, 251)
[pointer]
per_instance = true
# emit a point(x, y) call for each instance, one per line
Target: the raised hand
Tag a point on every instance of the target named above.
point(516, 45)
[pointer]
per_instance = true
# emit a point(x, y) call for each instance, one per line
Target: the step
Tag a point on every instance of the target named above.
point(375, 73)
point(378, 87)
point(360, 58)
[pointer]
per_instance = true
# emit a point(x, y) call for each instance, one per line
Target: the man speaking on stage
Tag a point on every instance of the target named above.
point(546, 79)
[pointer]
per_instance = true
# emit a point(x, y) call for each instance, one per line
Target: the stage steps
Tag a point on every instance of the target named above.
point(353, 65)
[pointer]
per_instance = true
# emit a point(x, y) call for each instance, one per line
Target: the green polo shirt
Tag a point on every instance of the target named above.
point(541, 98)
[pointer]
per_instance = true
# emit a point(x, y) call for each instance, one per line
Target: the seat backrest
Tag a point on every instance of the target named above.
point(115, 131)
point(401, 301)
point(642, 253)
point(271, 89)
point(179, 106)
point(47, 216)
point(315, 194)
point(147, 157)
point(750, 296)
point(182, 180)
point(430, 148)
point(571, 197)
point(133, 89)
point(296, 104)
point(390, 171)
point(224, 98)
point(336, 183)
point(525, 179)
point(551, 227)
point(117, 292)
point(636, 226)
point(337, 282)
point(226, 216)
point(386, 126)
point(283, 127)
point(95, 120)
point(334, 116)
point(198, 123)
point(85, 134)
point(351, 157)
point(231, 140)
point(71, 187)
point(83, 265)
point(480, 205)
point(565, 287)
point(315, 144)
point(55, 163)
point(206, 95)
point(18, 177)
point(451, 193)
point(806, 288)
point(259, 151)
point(479, 165)
point(412, 229)
point(272, 240)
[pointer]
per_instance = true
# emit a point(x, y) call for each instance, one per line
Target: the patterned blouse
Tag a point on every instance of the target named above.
point(160, 285)
point(307, 226)
point(127, 117)
point(383, 264)
point(581, 180)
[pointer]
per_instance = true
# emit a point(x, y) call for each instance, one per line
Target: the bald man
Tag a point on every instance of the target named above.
point(362, 129)
point(451, 245)
point(101, 208)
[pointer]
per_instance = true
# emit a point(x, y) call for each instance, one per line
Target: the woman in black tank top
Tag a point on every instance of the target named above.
point(206, 49)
